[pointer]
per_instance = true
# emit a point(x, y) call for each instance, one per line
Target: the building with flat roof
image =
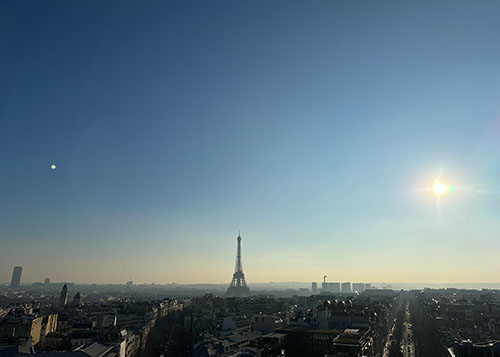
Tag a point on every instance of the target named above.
point(359, 287)
point(16, 277)
point(331, 287)
point(345, 287)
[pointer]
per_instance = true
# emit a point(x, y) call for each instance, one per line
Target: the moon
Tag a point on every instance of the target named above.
point(53, 166)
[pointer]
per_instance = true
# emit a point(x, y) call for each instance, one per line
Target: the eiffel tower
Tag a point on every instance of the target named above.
point(238, 286)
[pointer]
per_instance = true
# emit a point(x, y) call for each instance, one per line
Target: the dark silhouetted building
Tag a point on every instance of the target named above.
point(63, 299)
point(314, 288)
point(16, 277)
point(302, 341)
point(238, 286)
point(77, 299)
point(348, 343)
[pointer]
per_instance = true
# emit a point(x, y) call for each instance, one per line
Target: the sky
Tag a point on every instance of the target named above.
point(317, 128)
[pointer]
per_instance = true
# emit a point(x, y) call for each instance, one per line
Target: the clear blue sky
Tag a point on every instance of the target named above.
point(307, 125)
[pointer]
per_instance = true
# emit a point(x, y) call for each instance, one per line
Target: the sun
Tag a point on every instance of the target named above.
point(439, 188)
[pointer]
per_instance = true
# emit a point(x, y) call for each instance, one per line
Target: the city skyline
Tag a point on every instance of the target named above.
point(137, 142)
point(273, 285)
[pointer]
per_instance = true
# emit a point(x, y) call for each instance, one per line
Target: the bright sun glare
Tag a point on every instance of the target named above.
point(439, 188)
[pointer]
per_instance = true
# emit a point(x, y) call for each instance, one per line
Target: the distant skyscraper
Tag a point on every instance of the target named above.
point(77, 299)
point(16, 277)
point(359, 287)
point(314, 287)
point(331, 287)
point(238, 286)
point(63, 299)
point(345, 287)
point(46, 282)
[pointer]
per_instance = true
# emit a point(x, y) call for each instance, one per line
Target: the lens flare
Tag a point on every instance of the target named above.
point(439, 188)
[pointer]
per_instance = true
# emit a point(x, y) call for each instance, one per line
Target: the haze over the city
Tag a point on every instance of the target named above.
point(318, 129)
